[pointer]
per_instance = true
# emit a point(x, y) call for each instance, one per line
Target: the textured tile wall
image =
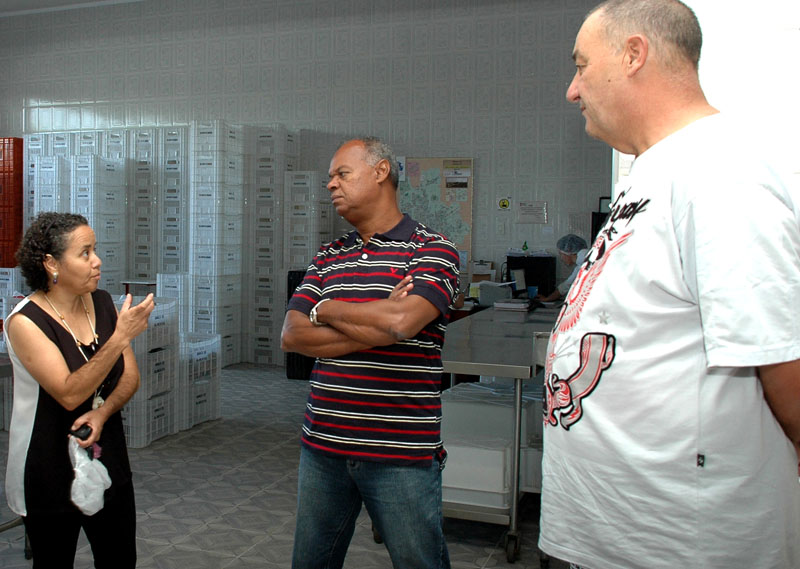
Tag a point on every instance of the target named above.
point(474, 78)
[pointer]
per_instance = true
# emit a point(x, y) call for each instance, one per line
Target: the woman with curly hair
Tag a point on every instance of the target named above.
point(73, 367)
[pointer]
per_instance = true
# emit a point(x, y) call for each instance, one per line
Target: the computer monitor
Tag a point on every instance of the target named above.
point(538, 270)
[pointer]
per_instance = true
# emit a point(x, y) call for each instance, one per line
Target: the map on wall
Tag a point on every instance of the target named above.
point(438, 193)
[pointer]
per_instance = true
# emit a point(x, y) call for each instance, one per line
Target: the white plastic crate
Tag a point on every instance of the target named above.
point(147, 420)
point(231, 349)
point(197, 402)
point(314, 221)
point(173, 141)
point(108, 227)
point(111, 280)
point(216, 136)
point(212, 291)
point(158, 369)
point(113, 255)
point(211, 200)
point(51, 198)
point(142, 192)
point(268, 192)
point(115, 144)
point(264, 283)
point(143, 144)
point(94, 169)
point(215, 259)
point(272, 140)
point(61, 144)
point(265, 351)
point(174, 181)
point(215, 320)
point(174, 223)
point(89, 199)
point(261, 298)
point(12, 281)
point(216, 230)
point(175, 196)
point(35, 145)
point(201, 356)
point(298, 259)
point(217, 168)
point(269, 235)
point(51, 171)
point(174, 258)
point(90, 142)
point(7, 304)
point(205, 401)
point(201, 367)
point(144, 229)
point(272, 211)
point(162, 326)
point(478, 472)
point(266, 327)
point(174, 285)
point(266, 254)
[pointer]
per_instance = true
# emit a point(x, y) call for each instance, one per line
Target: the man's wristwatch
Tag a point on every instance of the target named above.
point(313, 314)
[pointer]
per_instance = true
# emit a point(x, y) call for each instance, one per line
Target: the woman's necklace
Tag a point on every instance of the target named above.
point(98, 401)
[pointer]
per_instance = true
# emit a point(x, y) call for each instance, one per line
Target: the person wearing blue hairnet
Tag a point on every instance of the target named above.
point(572, 250)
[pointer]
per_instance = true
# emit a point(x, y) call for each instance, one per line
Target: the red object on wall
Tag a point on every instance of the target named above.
point(11, 202)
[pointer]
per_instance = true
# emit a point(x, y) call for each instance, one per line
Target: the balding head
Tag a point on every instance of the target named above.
point(670, 27)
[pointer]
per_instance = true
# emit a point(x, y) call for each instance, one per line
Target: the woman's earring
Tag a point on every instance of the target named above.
point(55, 277)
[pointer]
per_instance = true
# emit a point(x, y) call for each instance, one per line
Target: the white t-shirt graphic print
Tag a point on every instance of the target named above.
point(660, 450)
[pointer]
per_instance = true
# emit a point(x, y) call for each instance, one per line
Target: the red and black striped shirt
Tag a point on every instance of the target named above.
point(381, 404)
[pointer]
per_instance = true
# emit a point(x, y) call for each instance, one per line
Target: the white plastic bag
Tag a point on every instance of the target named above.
point(91, 479)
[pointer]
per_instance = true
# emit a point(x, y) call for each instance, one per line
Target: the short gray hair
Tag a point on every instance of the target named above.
point(670, 26)
point(378, 150)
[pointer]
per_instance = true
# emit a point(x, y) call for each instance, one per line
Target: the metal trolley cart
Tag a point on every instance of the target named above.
point(488, 344)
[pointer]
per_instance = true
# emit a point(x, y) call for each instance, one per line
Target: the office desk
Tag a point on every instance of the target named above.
point(507, 345)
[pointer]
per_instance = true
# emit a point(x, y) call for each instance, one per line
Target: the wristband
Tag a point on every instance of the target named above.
point(312, 316)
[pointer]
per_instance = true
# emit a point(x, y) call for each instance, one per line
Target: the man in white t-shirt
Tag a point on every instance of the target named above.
point(672, 415)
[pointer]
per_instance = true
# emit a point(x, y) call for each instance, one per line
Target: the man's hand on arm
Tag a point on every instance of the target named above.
point(349, 327)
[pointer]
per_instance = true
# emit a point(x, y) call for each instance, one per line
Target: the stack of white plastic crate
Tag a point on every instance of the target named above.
point(198, 392)
point(272, 152)
point(308, 217)
point(34, 145)
point(51, 177)
point(12, 290)
point(215, 233)
point(99, 194)
point(142, 199)
point(173, 199)
point(177, 286)
point(151, 413)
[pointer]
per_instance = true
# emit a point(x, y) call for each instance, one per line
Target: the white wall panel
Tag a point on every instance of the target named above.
point(477, 78)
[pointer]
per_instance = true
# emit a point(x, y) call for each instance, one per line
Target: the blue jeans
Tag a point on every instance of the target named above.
point(404, 502)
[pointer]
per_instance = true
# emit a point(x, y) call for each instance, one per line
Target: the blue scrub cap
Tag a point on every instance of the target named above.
point(571, 244)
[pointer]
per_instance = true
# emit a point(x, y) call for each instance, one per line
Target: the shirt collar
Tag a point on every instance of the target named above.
point(400, 232)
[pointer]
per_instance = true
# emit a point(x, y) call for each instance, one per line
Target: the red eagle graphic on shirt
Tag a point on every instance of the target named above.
point(564, 396)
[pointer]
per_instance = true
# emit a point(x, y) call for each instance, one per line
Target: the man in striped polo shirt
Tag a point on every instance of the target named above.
point(372, 308)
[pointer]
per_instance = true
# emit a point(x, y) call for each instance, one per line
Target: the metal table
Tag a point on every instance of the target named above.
point(505, 344)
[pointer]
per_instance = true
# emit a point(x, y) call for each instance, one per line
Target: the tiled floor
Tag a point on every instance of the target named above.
point(222, 494)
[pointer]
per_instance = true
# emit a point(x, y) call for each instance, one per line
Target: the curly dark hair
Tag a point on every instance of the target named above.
point(46, 235)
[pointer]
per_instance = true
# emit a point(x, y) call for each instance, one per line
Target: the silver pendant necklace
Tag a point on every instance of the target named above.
point(98, 401)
